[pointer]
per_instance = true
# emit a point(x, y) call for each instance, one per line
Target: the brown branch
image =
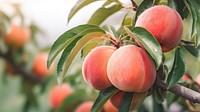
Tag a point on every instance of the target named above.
point(135, 6)
point(186, 41)
point(178, 89)
point(19, 69)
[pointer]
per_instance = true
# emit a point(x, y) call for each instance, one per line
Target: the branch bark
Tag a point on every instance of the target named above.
point(19, 69)
point(178, 89)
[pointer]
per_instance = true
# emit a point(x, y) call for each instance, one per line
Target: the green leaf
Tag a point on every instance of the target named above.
point(79, 5)
point(104, 95)
point(128, 19)
point(158, 95)
point(142, 7)
point(111, 30)
point(64, 40)
point(179, 6)
point(72, 50)
point(157, 107)
point(148, 42)
point(171, 98)
point(193, 7)
point(194, 51)
point(90, 45)
point(178, 69)
point(104, 12)
point(126, 102)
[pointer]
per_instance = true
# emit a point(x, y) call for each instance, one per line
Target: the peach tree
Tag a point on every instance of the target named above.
point(145, 56)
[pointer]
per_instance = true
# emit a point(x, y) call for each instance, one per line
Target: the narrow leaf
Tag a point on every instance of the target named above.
point(178, 69)
point(193, 6)
point(194, 51)
point(111, 30)
point(158, 95)
point(90, 45)
point(128, 19)
point(142, 7)
point(103, 97)
point(72, 50)
point(126, 102)
point(64, 40)
point(148, 42)
point(157, 107)
point(179, 6)
point(104, 12)
point(79, 5)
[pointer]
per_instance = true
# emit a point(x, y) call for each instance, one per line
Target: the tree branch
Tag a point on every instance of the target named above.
point(19, 69)
point(178, 89)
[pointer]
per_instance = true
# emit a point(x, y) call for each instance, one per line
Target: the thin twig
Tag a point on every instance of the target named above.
point(19, 69)
point(187, 42)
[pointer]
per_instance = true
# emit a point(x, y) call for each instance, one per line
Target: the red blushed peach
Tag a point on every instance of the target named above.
point(108, 107)
point(59, 93)
point(185, 77)
point(94, 67)
point(131, 69)
point(84, 107)
point(164, 23)
point(40, 65)
point(17, 36)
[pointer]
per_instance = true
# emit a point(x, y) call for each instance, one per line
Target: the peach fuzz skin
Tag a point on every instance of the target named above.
point(164, 23)
point(40, 66)
point(131, 69)
point(59, 93)
point(17, 36)
point(84, 107)
point(94, 67)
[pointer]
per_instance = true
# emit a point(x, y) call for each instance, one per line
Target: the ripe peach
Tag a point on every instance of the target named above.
point(131, 69)
point(59, 93)
point(17, 36)
point(40, 65)
point(108, 107)
point(185, 78)
point(84, 107)
point(138, 99)
point(164, 23)
point(94, 67)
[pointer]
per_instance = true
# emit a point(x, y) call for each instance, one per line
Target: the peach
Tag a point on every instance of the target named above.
point(59, 93)
point(40, 65)
point(185, 78)
point(138, 99)
point(131, 69)
point(94, 67)
point(84, 107)
point(108, 107)
point(17, 36)
point(164, 23)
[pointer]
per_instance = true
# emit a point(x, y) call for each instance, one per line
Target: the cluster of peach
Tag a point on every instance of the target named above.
point(130, 68)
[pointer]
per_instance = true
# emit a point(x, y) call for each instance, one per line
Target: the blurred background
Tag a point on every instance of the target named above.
point(28, 28)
